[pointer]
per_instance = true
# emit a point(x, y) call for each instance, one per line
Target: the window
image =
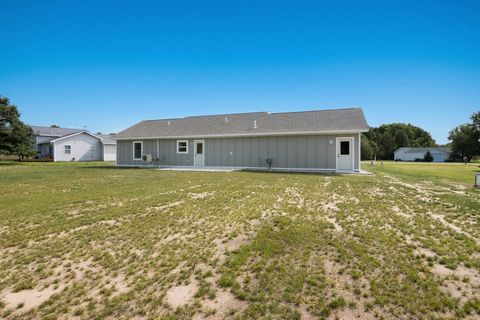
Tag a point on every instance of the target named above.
point(137, 150)
point(345, 148)
point(67, 149)
point(199, 147)
point(182, 146)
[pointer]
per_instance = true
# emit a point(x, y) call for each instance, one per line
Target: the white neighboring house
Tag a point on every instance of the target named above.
point(439, 154)
point(62, 144)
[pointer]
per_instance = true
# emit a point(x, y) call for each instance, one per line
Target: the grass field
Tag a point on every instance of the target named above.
point(87, 241)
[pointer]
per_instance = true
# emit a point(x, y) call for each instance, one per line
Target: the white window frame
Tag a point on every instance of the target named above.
point(65, 149)
point(141, 149)
point(178, 145)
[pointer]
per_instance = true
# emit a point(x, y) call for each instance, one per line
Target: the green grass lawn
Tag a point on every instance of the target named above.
point(89, 241)
point(448, 172)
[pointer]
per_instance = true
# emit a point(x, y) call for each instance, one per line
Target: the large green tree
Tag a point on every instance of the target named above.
point(389, 137)
point(369, 148)
point(16, 138)
point(466, 137)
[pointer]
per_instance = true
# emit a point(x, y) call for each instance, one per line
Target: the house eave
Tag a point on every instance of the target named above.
point(266, 134)
point(75, 134)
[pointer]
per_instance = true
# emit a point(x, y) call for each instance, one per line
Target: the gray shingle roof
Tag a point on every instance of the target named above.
point(53, 132)
point(257, 123)
point(107, 138)
point(56, 133)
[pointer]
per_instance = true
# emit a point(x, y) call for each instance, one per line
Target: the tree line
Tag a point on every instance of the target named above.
point(466, 137)
point(382, 142)
point(16, 138)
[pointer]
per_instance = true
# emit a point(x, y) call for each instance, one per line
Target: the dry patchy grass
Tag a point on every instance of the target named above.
point(90, 241)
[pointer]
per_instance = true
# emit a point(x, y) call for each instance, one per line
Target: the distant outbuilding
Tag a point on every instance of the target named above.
point(439, 154)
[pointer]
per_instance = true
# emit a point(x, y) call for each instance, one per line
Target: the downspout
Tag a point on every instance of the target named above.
point(359, 151)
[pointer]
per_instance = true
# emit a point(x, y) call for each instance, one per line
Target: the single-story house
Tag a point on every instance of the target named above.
point(310, 140)
point(63, 144)
point(439, 154)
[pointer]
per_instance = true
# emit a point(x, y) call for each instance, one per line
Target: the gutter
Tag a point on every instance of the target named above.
point(247, 135)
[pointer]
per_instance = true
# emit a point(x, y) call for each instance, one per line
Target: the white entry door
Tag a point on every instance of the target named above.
point(344, 153)
point(198, 153)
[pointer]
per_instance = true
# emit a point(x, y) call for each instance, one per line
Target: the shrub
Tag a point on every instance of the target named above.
point(428, 157)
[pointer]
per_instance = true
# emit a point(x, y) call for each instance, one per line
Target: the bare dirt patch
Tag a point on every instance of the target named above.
point(336, 225)
point(182, 295)
point(460, 272)
point(424, 252)
point(341, 282)
point(225, 245)
point(165, 206)
point(401, 213)
point(223, 303)
point(440, 218)
point(200, 195)
point(294, 197)
point(30, 298)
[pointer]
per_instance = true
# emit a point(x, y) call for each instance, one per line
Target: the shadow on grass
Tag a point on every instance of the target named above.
point(286, 172)
point(100, 167)
point(9, 163)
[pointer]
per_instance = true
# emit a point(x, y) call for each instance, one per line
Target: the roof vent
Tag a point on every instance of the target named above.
point(254, 124)
point(226, 119)
point(168, 122)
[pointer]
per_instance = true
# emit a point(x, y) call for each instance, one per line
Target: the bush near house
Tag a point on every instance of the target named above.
point(428, 157)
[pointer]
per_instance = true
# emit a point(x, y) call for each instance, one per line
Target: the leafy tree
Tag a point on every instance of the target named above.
point(15, 137)
point(428, 157)
point(369, 148)
point(466, 137)
point(389, 137)
point(476, 120)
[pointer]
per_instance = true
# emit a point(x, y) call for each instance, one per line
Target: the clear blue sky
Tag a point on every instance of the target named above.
point(108, 64)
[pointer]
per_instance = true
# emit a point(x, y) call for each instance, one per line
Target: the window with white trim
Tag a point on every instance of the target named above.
point(182, 146)
point(137, 150)
point(67, 149)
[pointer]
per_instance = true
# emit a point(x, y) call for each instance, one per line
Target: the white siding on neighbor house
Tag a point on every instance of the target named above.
point(109, 152)
point(438, 156)
point(403, 156)
point(84, 147)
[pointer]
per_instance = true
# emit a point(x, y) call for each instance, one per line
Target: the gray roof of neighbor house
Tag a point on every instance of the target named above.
point(423, 149)
point(256, 123)
point(53, 132)
point(58, 133)
point(107, 138)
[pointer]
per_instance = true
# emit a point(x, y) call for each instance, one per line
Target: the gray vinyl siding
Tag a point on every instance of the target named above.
point(308, 151)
